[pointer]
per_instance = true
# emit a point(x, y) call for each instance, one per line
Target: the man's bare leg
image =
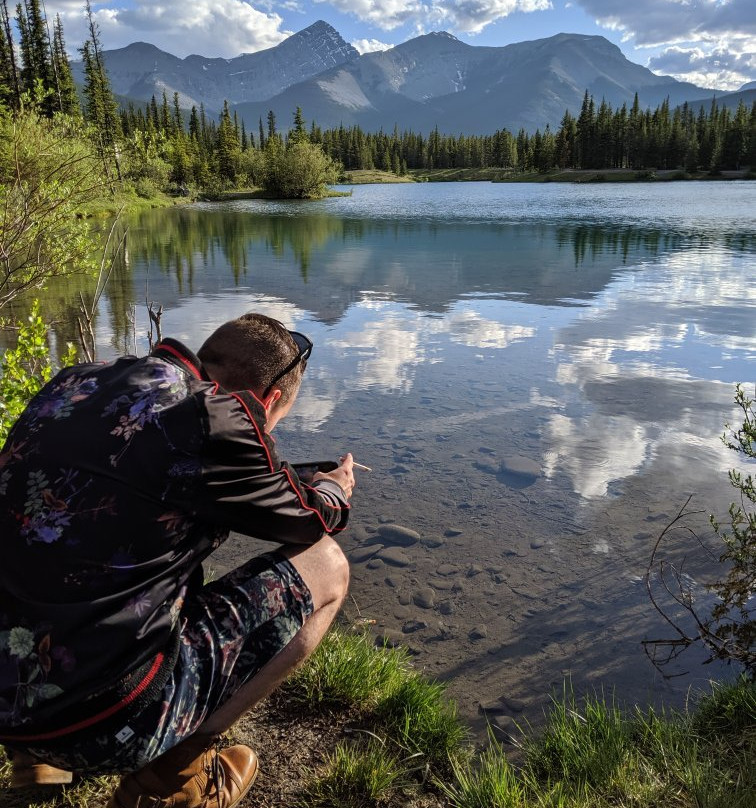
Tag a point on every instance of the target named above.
point(325, 570)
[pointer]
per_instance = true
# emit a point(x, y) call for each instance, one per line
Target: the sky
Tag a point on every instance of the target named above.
point(711, 43)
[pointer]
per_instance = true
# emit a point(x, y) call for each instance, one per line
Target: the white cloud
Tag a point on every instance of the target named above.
point(661, 22)
point(207, 27)
point(370, 45)
point(718, 39)
point(470, 16)
point(720, 67)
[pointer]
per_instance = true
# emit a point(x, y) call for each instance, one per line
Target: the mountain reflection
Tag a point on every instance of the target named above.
point(616, 345)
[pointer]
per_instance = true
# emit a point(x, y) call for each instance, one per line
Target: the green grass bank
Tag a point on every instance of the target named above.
point(359, 726)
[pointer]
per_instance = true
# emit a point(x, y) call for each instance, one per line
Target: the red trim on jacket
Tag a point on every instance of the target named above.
point(171, 350)
point(101, 716)
point(261, 438)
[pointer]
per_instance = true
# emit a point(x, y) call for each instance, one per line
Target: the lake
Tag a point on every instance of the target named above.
point(538, 375)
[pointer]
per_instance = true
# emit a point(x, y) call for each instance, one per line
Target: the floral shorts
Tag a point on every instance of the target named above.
point(231, 629)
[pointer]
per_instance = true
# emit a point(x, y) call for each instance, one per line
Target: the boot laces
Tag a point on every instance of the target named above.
point(217, 772)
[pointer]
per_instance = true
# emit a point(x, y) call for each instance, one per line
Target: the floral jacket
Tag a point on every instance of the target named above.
point(115, 483)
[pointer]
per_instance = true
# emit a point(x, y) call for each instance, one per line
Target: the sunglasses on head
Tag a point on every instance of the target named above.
point(304, 349)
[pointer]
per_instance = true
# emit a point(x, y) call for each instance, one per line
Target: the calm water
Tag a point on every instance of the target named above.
point(596, 331)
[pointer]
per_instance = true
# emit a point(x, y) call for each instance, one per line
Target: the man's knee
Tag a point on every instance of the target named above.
point(324, 568)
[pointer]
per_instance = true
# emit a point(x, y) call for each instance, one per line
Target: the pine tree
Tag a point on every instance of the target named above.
point(68, 100)
point(178, 121)
point(298, 134)
point(36, 53)
point(166, 125)
point(9, 68)
point(100, 107)
point(227, 147)
point(7, 95)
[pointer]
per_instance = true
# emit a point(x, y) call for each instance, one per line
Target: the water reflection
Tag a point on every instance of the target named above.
point(583, 337)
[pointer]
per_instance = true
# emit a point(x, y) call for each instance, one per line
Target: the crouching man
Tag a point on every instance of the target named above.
point(116, 482)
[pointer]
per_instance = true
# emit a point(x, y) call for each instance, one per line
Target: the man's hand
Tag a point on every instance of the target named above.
point(342, 476)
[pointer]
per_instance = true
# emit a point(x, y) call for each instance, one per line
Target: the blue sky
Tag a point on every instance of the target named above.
point(709, 42)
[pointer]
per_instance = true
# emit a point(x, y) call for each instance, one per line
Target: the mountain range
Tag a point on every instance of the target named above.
point(431, 80)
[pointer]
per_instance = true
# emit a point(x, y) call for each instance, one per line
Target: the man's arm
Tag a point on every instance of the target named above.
point(243, 485)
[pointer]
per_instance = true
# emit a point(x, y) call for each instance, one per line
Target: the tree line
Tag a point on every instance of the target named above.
point(161, 146)
point(600, 137)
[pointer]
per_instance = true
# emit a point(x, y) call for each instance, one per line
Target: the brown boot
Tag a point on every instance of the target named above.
point(194, 774)
point(27, 772)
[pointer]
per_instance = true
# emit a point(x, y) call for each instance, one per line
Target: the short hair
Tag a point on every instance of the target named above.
point(247, 353)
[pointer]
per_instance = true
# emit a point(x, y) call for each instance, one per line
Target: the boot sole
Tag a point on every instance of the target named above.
point(40, 776)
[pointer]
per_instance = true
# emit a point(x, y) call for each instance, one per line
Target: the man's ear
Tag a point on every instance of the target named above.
point(270, 400)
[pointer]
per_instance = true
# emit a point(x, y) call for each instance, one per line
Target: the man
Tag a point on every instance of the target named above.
point(117, 481)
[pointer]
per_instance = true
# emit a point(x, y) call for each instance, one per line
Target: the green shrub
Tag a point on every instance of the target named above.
point(25, 369)
point(48, 170)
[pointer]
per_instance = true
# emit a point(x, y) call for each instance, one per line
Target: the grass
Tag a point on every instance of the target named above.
point(407, 746)
point(373, 177)
point(355, 776)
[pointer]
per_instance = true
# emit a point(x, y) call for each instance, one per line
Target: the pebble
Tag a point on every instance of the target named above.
point(404, 599)
point(402, 613)
point(522, 468)
point(448, 569)
point(364, 553)
point(393, 639)
point(375, 564)
point(504, 723)
point(411, 626)
point(446, 607)
point(392, 582)
point(492, 707)
point(487, 467)
point(431, 543)
point(537, 544)
point(425, 598)
point(453, 531)
point(515, 705)
point(398, 535)
point(398, 469)
point(478, 633)
point(443, 585)
point(393, 556)
point(358, 533)
point(473, 570)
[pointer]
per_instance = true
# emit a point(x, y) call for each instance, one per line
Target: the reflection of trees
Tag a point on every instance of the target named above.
point(198, 235)
point(589, 241)
point(430, 262)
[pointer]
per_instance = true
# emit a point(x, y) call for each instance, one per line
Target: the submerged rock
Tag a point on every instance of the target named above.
point(398, 535)
point(395, 557)
point(520, 471)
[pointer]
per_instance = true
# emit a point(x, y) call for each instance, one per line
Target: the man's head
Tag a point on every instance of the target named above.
point(251, 353)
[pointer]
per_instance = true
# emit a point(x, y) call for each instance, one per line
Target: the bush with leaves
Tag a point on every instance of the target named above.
point(731, 631)
point(26, 368)
point(298, 171)
point(48, 170)
point(728, 632)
